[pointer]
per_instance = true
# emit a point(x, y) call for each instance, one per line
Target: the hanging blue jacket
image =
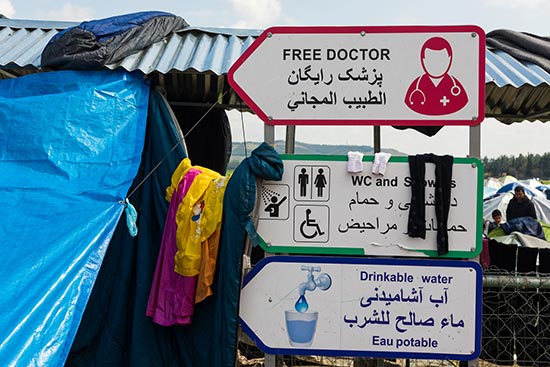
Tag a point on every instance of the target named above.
point(217, 316)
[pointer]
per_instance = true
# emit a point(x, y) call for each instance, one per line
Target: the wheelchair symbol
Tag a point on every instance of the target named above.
point(309, 223)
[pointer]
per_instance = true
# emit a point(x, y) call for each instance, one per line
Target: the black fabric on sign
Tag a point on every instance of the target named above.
point(208, 142)
point(417, 212)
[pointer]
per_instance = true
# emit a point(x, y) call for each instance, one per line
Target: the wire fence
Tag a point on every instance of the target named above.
point(515, 329)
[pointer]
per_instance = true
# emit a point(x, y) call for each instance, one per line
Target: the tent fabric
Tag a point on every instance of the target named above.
point(488, 191)
point(520, 239)
point(206, 127)
point(545, 189)
point(525, 225)
point(114, 330)
point(70, 145)
point(507, 179)
point(501, 232)
point(512, 185)
point(492, 182)
point(96, 43)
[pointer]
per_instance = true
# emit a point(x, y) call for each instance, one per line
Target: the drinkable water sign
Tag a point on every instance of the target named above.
point(383, 308)
point(320, 208)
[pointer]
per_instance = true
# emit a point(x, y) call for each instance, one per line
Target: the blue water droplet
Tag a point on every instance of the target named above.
point(301, 304)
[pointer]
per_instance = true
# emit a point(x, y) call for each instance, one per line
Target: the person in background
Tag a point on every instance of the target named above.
point(497, 219)
point(520, 205)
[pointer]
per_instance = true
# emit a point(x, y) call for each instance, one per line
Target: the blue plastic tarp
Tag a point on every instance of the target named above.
point(70, 146)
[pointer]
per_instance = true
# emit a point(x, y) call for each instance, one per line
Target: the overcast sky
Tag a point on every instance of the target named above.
point(497, 139)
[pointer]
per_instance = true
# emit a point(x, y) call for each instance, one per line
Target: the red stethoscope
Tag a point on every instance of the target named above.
point(455, 90)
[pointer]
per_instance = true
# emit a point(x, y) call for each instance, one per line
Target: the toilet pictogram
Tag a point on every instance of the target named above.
point(311, 183)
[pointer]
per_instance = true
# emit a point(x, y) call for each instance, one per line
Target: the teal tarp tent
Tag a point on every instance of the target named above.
point(115, 330)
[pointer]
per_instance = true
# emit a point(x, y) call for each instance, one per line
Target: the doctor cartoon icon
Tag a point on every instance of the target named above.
point(436, 92)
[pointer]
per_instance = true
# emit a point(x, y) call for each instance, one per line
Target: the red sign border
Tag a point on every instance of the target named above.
point(368, 30)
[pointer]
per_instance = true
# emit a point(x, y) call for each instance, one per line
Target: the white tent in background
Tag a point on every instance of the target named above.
point(507, 179)
point(532, 182)
point(504, 194)
point(493, 183)
point(488, 191)
point(490, 186)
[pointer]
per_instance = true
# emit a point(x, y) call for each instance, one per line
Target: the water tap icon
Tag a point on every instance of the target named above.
point(323, 281)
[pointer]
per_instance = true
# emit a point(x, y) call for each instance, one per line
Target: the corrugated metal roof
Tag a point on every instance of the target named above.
point(209, 49)
point(515, 90)
point(201, 50)
point(192, 49)
point(504, 70)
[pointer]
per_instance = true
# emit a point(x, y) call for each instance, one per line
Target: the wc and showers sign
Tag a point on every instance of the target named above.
point(425, 309)
point(318, 207)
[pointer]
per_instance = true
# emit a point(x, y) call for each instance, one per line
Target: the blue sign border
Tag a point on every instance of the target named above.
point(372, 261)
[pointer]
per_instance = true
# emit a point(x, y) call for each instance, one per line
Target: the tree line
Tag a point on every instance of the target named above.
point(521, 167)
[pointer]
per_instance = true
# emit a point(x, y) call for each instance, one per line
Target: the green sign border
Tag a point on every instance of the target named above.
point(360, 251)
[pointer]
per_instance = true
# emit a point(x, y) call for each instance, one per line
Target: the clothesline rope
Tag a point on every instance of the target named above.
point(174, 147)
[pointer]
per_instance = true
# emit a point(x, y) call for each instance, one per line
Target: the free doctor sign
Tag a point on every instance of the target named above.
point(386, 308)
point(392, 75)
